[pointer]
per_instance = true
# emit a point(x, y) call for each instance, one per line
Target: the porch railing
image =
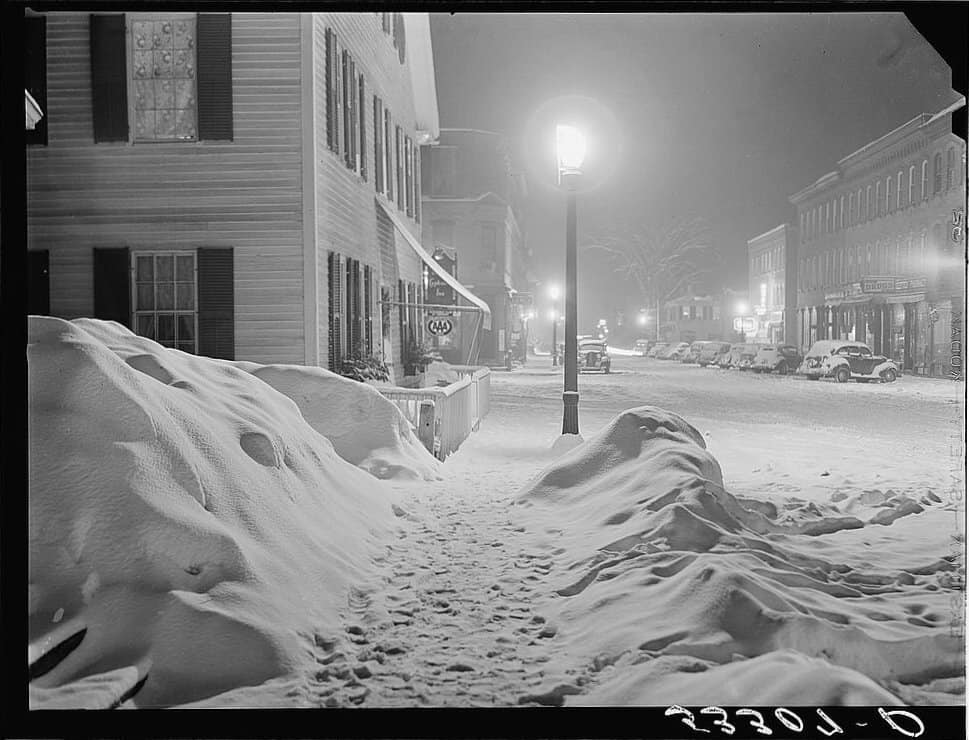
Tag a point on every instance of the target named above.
point(445, 416)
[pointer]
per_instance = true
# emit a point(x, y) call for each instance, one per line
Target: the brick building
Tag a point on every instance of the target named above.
point(472, 209)
point(766, 277)
point(238, 185)
point(882, 247)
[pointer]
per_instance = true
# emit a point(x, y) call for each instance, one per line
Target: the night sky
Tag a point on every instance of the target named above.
point(716, 115)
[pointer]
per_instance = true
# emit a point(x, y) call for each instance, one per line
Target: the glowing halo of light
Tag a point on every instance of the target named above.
point(601, 131)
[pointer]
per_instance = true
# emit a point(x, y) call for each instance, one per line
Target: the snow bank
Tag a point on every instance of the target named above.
point(656, 559)
point(189, 531)
point(365, 428)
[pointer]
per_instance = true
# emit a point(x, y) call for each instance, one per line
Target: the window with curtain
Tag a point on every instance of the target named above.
point(163, 76)
point(165, 298)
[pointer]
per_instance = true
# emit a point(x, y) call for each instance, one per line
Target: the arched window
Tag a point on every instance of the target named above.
point(898, 191)
point(803, 235)
point(841, 213)
point(937, 179)
point(878, 199)
point(827, 217)
point(924, 194)
point(888, 194)
point(911, 185)
point(851, 209)
point(868, 204)
point(950, 168)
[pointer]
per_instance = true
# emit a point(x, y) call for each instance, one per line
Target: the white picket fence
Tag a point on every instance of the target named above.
point(445, 416)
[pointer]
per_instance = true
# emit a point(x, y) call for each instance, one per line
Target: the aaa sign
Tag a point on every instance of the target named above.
point(439, 326)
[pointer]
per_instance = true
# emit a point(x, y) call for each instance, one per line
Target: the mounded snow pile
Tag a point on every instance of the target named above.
point(365, 428)
point(662, 569)
point(189, 531)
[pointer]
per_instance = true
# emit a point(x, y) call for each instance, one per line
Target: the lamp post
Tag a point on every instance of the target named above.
point(570, 144)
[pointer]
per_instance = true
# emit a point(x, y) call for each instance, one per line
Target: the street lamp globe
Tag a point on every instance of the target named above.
point(570, 146)
point(553, 315)
point(553, 292)
point(741, 308)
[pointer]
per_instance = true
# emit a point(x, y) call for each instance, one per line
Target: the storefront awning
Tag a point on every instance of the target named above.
point(434, 266)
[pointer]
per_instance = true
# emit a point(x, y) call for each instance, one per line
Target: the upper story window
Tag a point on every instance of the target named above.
point(937, 180)
point(400, 40)
point(869, 210)
point(489, 248)
point(163, 77)
point(911, 185)
point(879, 203)
point(925, 180)
point(145, 71)
point(898, 190)
point(851, 209)
point(950, 168)
point(888, 194)
point(841, 213)
point(858, 206)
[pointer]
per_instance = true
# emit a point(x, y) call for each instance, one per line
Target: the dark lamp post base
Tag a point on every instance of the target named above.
point(570, 412)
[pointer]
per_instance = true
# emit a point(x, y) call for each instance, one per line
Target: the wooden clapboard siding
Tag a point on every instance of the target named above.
point(245, 193)
point(347, 220)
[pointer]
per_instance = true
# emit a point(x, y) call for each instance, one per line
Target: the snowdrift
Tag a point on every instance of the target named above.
point(664, 572)
point(364, 427)
point(189, 532)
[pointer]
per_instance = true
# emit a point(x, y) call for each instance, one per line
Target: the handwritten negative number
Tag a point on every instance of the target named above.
point(725, 727)
point(687, 720)
point(758, 723)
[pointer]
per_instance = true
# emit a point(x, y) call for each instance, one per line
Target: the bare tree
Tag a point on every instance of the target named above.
point(662, 258)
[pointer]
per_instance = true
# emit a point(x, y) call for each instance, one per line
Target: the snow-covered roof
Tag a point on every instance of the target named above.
point(766, 234)
point(420, 59)
point(32, 110)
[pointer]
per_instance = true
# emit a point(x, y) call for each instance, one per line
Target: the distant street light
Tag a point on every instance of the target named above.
point(570, 145)
point(553, 293)
point(742, 308)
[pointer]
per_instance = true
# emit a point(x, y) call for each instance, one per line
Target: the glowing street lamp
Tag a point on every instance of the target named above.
point(742, 308)
point(570, 145)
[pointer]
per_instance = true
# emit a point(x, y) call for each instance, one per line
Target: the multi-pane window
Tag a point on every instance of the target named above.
point(841, 213)
point(851, 209)
point(362, 126)
point(868, 204)
point(408, 176)
point(925, 180)
point(165, 298)
point(378, 144)
point(879, 203)
point(858, 206)
point(489, 247)
point(399, 151)
point(898, 190)
point(911, 185)
point(163, 77)
point(388, 145)
point(888, 194)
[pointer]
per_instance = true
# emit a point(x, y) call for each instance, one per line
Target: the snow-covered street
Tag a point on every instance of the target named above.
point(216, 534)
point(463, 610)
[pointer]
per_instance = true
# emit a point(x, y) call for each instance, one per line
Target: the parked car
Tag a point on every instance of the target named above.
point(747, 355)
point(694, 353)
point(780, 358)
point(710, 354)
point(656, 349)
point(642, 346)
point(731, 357)
point(594, 355)
point(675, 351)
point(846, 360)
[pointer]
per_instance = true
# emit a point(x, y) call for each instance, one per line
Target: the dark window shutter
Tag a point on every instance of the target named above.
point(216, 291)
point(330, 74)
point(362, 118)
point(38, 282)
point(389, 155)
point(215, 76)
point(35, 73)
point(112, 285)
point(109, 87)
